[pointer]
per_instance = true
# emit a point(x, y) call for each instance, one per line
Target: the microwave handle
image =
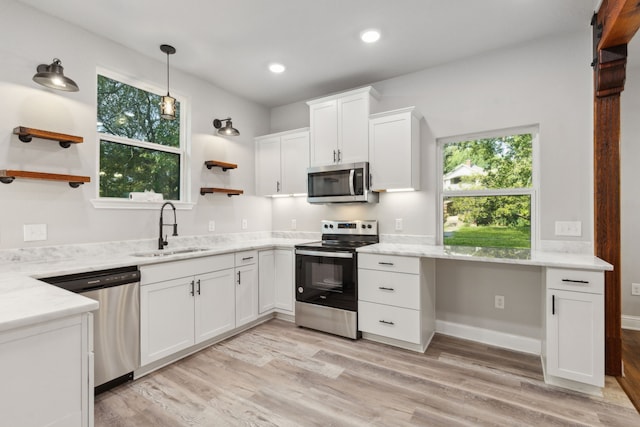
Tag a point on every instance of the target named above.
point(352, 176)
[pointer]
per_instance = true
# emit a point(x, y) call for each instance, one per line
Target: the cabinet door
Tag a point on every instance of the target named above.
point(575, 336)
point(166, 318)
point(294, 161)
point(324, 133)
point(284, 279)
point(268, 180)
point(215, 304)
point(266, 280)
point(353, 128)
point(246, 294)
point(390, 152)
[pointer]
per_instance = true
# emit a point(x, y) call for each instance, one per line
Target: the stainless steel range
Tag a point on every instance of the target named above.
point(327, 277)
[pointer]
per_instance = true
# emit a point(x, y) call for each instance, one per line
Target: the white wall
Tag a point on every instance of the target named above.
point(35, 38)
point(547, 82)
point(629, 179)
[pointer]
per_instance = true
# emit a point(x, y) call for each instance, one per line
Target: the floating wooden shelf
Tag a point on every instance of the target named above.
point(7, 176)
point(227, 191)
point(26, 134)
point(215, 163)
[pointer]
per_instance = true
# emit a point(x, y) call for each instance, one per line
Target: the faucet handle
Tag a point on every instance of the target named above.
point(165, 242)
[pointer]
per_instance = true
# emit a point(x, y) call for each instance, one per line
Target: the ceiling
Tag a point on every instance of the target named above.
point(230, 43)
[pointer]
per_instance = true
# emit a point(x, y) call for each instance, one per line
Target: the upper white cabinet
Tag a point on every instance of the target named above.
point(282, 160)
point(339, 127)
point(394, 150)
point(575, 326)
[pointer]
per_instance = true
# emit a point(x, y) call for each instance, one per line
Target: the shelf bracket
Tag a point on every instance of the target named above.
point(75, 184)
point(7, 179)
point(26, 138)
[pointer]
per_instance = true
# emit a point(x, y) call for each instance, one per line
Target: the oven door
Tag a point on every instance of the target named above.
point(327, 278)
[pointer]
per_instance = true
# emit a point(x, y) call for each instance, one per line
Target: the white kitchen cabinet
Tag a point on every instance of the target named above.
point(183, 303)
point(575, 326)
point(282, 160)
point(47, 374)
point(276, 278)
point(246, 293)
point(340, 128)
point(394, 150)
point(396, 300)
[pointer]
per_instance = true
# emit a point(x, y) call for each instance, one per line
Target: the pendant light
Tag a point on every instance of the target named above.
point(168, 103)
point(51, 76)
point(228, 129)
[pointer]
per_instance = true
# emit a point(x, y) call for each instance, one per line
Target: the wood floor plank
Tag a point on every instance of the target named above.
point(277, 374)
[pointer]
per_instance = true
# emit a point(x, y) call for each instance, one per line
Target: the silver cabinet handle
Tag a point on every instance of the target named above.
point(580, 282)
point(382, 288)
point(238, 277)
point(339, 156)
point(247, 258)
point(553, 304)
point(385, 263)
point(192, 291)
point(386, 322)
point(334, 156)
point(277, 186)
point(198, 282)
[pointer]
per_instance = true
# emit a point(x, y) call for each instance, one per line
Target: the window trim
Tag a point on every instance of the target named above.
point(184, 150)
point(532, 191)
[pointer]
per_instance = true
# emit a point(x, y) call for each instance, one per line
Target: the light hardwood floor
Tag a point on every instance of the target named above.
point(279, 375)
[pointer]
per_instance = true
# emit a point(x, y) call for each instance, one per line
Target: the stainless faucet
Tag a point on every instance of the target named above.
point(163, 242)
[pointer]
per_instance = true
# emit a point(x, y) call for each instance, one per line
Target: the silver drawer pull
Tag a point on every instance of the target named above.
point(385, 263)
point(386, 322)
point(582, 282)
point(247, 258)
point(382, 288)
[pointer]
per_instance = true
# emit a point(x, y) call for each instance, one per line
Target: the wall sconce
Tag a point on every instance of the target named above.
point(228, 129)
point(51, 76)
point(168, 103)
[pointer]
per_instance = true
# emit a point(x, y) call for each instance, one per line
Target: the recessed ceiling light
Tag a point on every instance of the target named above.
point(370, 36)
point(276, 68)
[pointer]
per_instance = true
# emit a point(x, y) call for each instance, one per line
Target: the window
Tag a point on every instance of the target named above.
point(488, 189)
point(139, 151)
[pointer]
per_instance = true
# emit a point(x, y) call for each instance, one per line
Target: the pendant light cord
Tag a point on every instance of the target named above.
point(167, 73)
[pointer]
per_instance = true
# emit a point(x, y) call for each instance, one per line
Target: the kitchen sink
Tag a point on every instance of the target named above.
point(164, 252)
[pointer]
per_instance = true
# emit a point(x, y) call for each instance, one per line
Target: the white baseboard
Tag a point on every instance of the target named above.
point(631, 322)
point(488, 336)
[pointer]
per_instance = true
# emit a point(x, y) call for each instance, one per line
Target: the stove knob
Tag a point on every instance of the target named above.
point(331, 226)
point(364, 226)
point(300, 289)
point(326, 226)
point(369, 226)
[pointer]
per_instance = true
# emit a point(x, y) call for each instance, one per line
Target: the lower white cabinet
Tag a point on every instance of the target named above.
point(575, 326)
point(194, 302)
point(246, 277)
point(396, 300)
point(47, 374)
point(276, 278)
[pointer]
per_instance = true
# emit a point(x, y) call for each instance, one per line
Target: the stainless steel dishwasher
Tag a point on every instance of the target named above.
point(116, 323)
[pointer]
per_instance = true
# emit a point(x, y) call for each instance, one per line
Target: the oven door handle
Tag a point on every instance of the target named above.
point(325, 254)
point(352, 184)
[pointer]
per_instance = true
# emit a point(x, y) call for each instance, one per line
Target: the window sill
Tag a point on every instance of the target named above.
point(115, 203)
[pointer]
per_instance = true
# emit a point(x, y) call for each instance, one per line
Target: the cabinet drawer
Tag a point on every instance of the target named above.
point(189, 267)
point(393, 322)
point(575, 280)
point(385, 287)
point(246, 258)
point(389, 263)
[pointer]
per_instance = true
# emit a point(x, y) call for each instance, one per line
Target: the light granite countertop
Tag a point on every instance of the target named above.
point(494, 255)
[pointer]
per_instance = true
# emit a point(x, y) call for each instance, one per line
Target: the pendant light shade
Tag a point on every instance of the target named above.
point(168, 103)
point(52, 76)
point(228, 129)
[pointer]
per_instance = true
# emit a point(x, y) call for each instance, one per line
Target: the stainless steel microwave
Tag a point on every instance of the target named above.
point(343, 183)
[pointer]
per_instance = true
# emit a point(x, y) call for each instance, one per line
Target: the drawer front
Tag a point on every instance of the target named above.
point(246, 258)
point(384, 287)
point(392, 322)
point(189, 267)
point(395, 263)
point(575, 280)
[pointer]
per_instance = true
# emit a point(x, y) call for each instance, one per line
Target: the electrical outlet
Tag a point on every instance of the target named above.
point(398, 224)
point(635, 289)
point(569, 228)
point(212, 225)
point(244, 223)
point(499, 301)
point(294, 224)
point(35, 232)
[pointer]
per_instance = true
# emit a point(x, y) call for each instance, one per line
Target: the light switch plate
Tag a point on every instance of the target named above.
point(635, 289)
point(398, 224)
point(569, 228)
point(244, 223)
point(35, 232)
point(294, 224)
point(212, 225)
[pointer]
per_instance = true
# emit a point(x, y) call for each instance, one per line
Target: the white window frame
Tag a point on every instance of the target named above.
point(532, 191)
point(184, 150)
